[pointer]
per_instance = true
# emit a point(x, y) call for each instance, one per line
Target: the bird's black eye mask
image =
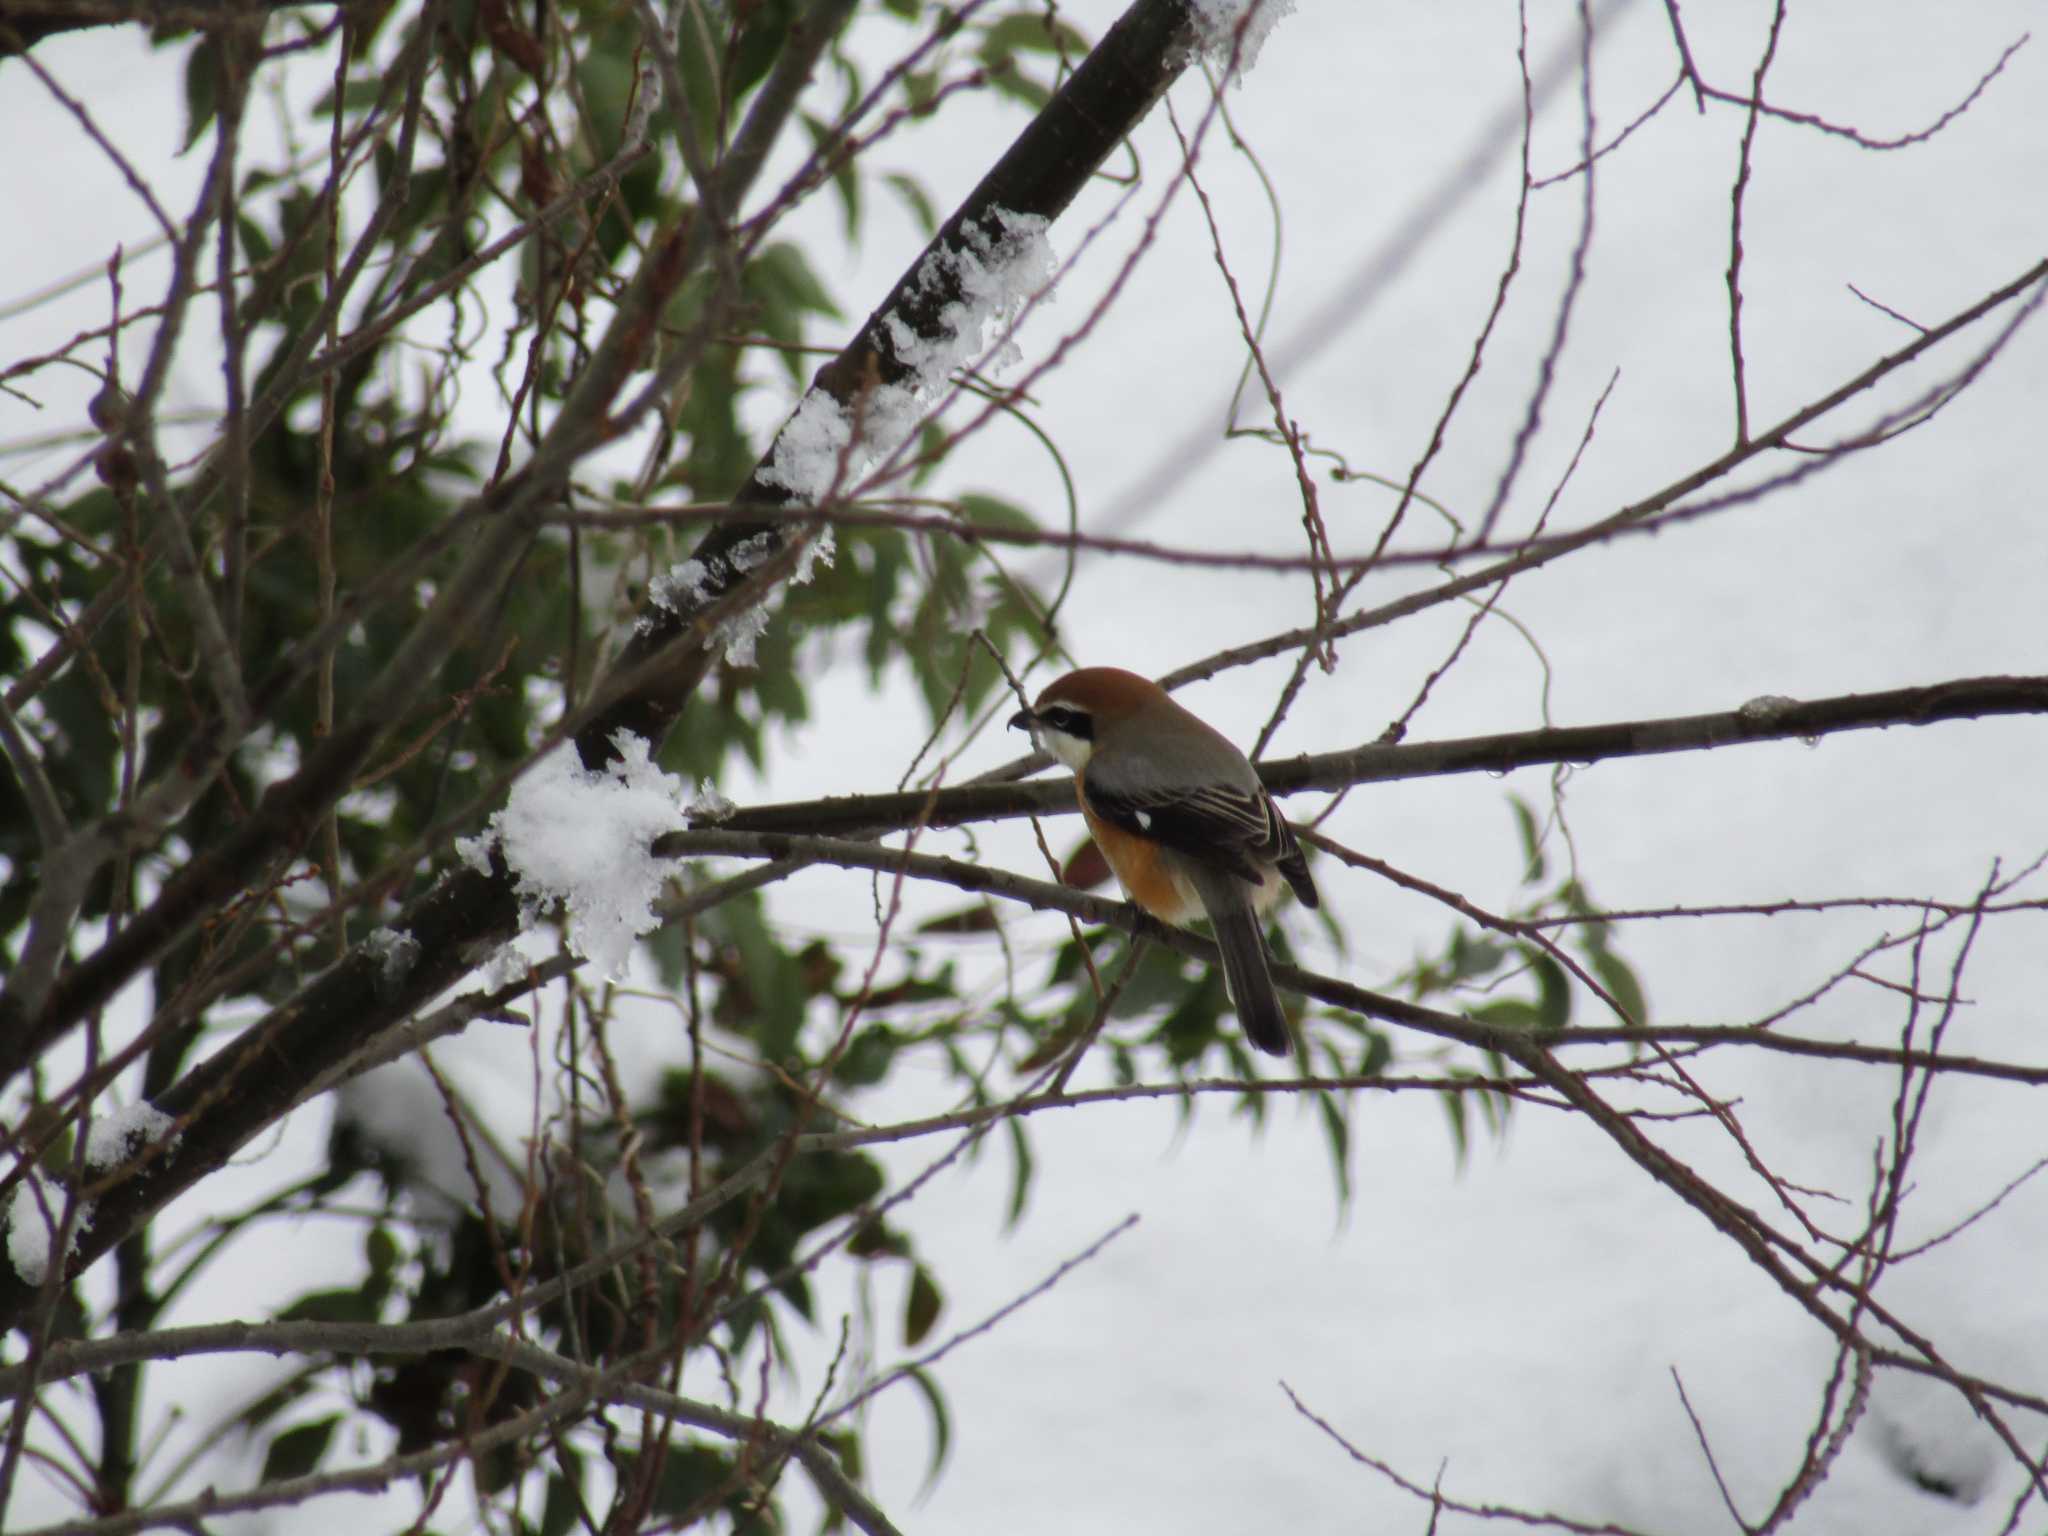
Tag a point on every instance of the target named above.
point(1069, 722)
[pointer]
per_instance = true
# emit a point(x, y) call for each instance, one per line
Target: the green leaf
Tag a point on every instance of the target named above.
point(878, 1240)
point(845, 1446)
point(564, 1506)
point(783, 266)
point(497, 1469)
point(380, 1248)
point(912, 192)
point(1158, 980)
point(668, 948)
point(1509, 1013)
point(1021, 1170)
point(922, 1308)
point(866, 1060)
point(699, 67)
point(764, 996)
point(766, 31)
point(297, 1451)
point(1471, 956)
point(921, 86)
point(931, 453)
point(1553, 990)
point(202, 89)
point(942, 1427)
point(1454, 1112)
point(1530, 831)
point(1619, 978)
point(1011, 81)
point(330, 1307)
point(256, 246)
point(1189, 1030)
point(845, 174)
point(607, 81)
point(75, 709)
point(1033, 32)
point(690, 1475)
point(1495, 1105)
point(823, 1186)
point(986, 511)
point(1338, 1133)
point(359, 95)
point(272, 1403)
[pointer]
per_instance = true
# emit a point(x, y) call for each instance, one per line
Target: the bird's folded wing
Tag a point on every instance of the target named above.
point(1221, 825)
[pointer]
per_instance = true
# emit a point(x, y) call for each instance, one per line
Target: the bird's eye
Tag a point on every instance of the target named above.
point(1072, 722)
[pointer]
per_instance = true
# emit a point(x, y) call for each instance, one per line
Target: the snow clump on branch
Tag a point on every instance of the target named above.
point(121, 1134)
point(1000, 266)
point(584, 838)
point(1228, 30)
point(709, 804)
point(32, 1222)
point(37, 1209)
point(693, 584)
point(396, 953)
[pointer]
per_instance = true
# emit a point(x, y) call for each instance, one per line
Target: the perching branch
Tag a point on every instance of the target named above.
point(1760, 720)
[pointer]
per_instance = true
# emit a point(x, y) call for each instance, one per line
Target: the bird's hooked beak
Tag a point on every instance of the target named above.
point(1023, 720)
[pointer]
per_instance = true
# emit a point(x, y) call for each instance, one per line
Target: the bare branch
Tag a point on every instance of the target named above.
point(1742, 167)
point(1761, 720)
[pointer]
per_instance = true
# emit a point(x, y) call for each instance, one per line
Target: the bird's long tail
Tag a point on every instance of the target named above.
point(1242, 938)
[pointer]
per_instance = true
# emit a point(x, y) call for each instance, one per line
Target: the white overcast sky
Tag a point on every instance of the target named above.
point(1515, 1322)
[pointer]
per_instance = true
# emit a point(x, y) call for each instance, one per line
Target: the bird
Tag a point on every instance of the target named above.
point(1182, 818)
